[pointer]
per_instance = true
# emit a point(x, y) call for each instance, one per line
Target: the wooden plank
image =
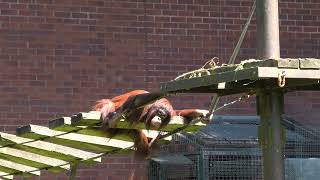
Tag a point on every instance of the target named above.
point(176, 122)
point(288, 63)
point(81, 119)
point(309, 63)
point(80, 138)
point(86, 119)
point(97, 132)
point(272, 72)
point(19, 167)
point(225, 77)
point(34, 157)
point(84, 155)
point(62, 124)
point(280, 63)
point(5, 175)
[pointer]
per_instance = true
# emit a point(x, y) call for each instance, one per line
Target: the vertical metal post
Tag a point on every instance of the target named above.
point(270, 102)
point(267, 29)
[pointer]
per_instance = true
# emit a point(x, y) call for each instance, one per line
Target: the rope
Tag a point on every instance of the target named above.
point(215, 99)
point(198, 72)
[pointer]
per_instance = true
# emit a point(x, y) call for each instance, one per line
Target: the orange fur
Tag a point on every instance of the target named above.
point(160, 108)
point(121, 99)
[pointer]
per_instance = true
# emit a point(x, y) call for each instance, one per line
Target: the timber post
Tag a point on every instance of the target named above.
point(270, 100)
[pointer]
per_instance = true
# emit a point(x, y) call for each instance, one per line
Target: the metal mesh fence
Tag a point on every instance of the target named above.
point(232, 152)
point(175, 171)
point(232, 164)
point(302, 151)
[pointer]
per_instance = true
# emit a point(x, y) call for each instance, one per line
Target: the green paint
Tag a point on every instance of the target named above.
point(51, 154)
point(70, 143)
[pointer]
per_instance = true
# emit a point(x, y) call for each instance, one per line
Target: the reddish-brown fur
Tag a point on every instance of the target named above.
point(161, 108)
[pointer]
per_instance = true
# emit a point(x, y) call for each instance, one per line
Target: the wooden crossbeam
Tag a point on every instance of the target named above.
point(64, 124)
point(42, 145)
point(93, 117)
point(34, 157)
point(5, 175)
point(19, 167)
point(273, 72)
point(80, 138)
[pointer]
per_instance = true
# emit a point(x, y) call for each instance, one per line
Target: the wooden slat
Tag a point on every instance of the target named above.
point(281, 63)
point(5, 175)
point(86, 119)
point(63, 124)
point(81, 119)
point(225, 77)
point(272, 72)
point(34, 157)
point(80, 138)
point(84, 155)
point(175, 122)
point(309, 63)
point(19, 167)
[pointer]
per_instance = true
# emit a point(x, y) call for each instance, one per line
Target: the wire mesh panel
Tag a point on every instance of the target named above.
point(174, 169)
point(232, 164)
point(302, 151)
point(229, 150)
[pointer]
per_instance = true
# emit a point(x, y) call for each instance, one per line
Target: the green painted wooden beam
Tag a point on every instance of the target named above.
point(46, 148)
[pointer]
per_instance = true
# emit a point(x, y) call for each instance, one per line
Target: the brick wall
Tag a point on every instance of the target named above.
point(58, 56)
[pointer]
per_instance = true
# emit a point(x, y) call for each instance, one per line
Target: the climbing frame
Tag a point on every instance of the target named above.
point(65, 142)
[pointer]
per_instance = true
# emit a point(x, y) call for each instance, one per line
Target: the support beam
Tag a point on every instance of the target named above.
point(271, 134)
point(270, 102)
point(73, 172)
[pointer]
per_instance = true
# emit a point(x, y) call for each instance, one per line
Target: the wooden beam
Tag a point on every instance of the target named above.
point(34, 157)
point(80, 138)
point(84, 155)
point(273, 72)
point(175, 122)
point(19, 167)
point(5, 175)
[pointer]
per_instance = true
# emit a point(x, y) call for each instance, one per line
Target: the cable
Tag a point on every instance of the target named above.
point(215, 98)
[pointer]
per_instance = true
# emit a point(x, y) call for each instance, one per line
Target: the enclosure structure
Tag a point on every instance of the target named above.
point(269, 80)
point(229, 149)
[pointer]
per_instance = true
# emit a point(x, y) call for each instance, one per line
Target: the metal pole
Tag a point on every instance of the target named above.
point(270, 102)
point(268, 29)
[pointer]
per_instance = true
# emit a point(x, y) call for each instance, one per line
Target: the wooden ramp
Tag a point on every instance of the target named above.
point(65, 143)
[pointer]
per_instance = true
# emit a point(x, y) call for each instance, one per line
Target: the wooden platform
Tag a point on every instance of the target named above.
point(249, 75)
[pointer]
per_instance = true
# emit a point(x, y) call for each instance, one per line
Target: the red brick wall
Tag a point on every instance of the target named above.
point(58, 56)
